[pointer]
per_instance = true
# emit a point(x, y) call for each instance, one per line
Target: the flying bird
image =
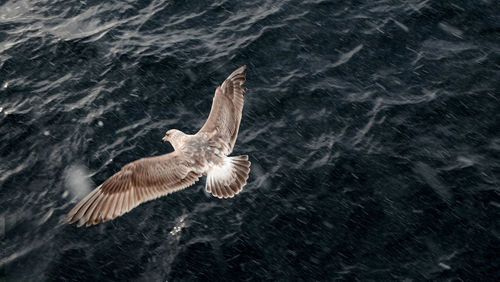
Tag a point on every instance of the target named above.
point(204, 153)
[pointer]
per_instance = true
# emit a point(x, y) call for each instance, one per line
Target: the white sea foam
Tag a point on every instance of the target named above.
point(76, 181)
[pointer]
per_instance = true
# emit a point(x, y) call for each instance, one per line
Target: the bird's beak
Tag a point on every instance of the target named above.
point(164, 139)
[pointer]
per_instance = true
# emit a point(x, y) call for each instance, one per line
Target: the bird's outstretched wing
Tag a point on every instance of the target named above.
point(136, 183)
point(225, 115)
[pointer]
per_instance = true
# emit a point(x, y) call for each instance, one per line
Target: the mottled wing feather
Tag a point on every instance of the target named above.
point(136, 183)
point(227, 106)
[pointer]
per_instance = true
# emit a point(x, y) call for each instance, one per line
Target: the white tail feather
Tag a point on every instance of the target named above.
point(228, 179)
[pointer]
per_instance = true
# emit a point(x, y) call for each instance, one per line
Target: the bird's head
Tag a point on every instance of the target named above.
point(172, 135)
point(175, 137)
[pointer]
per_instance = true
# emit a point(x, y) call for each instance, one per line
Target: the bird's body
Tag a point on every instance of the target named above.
point(200, 151)
point(204, 153)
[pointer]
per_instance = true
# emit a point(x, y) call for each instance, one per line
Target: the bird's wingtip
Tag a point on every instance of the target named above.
point(238, 71)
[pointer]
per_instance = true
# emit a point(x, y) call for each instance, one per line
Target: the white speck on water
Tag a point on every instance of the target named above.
point(465, 162)
point(179, 226)
point(100, 123)
point(47, 216)
point(345, 57)
point(5, 85)
point(328, 225)
point(1, 109)
point(451, 30)
point(401, 25)
point(445, 266)
point(46, 133)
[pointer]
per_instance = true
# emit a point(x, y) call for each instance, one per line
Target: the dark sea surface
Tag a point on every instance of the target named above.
point(373, 128)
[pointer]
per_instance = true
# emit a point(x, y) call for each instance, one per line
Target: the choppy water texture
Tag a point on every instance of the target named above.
point(372, 127)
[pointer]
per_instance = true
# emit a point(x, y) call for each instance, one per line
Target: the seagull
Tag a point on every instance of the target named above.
point(204, 153)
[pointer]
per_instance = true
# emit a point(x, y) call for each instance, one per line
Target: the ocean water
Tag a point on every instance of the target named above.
point(372, 127)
